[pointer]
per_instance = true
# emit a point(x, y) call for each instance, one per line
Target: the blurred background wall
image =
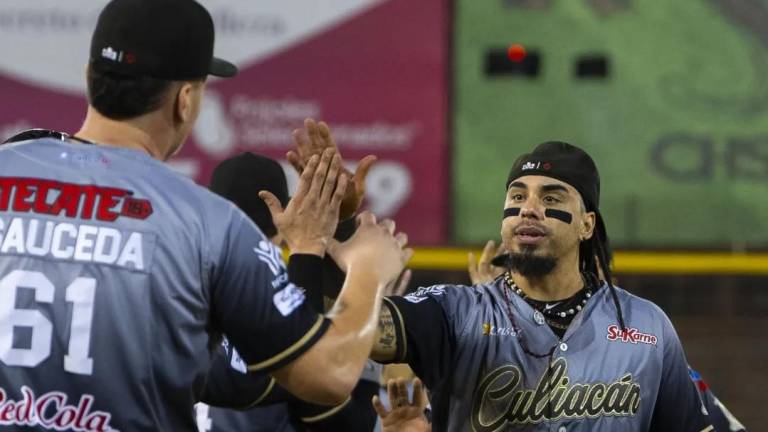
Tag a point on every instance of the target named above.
point(670, 97)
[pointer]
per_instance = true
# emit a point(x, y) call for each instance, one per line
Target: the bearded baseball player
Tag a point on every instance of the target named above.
point(548, 346)
point(483, 271)
point(118, 276)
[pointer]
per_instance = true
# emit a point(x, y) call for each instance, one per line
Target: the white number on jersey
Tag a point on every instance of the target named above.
point(81, 293)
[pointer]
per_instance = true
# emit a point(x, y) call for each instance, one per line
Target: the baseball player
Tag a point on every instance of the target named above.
point(118, 276)
point(408, 413)
point(547, 346)
point(237, 179)
point(483, 271)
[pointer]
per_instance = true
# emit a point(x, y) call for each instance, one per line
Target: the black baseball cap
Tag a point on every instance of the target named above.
point(240, 178)
point(569, 164)
point(164, 39)
point(564, 162)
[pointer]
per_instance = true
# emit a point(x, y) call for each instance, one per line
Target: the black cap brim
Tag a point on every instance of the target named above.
point(222, 68)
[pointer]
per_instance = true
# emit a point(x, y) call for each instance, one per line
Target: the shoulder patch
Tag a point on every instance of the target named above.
point(288, 299)
point(424, 293)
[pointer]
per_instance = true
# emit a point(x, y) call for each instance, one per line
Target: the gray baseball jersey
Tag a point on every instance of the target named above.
point(473, 359)
point(117, 278)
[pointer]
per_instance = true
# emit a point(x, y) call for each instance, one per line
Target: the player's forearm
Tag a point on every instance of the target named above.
point(329, 371)
point(354, 320)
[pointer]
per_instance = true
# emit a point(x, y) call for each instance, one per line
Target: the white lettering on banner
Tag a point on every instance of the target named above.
point(51, 411)
point(263, 123)
point(213, 131)
point(246, 32)
point(287, 110)
point(67, 241)
point(363, 137)
point(388, 187)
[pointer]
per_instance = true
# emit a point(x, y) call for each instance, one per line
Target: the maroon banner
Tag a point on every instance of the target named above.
point(376, 73)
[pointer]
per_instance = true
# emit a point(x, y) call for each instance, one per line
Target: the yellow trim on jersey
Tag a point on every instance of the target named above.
point(326, 414)
point(263, 395)
point(708, 429)
point(291, 349)
point(403, 337)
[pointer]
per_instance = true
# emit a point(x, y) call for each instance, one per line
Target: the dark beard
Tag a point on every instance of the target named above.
point(529, 265)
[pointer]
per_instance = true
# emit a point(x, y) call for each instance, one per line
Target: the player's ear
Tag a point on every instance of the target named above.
point(587, 228)
point(187, 100)
point(184, 102)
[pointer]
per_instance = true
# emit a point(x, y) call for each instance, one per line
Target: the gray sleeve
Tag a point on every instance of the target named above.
point(721, 417)
point(678, 405)
point(263, 314)
point(429, 349)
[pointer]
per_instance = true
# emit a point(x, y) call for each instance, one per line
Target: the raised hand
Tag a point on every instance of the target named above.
point(309, 220)
point(406, 415)
point(313, 140)
point(483, 271)
point(373, 243)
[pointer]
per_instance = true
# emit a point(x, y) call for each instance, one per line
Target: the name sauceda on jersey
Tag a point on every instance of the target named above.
point(501, 400)
point(64, 240)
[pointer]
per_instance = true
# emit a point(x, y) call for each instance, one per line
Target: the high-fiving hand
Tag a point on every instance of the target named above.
point(309, 220)
point(373, 242)
point(314, 140)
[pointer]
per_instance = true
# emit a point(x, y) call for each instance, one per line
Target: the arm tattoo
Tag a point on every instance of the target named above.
point(385, 342)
